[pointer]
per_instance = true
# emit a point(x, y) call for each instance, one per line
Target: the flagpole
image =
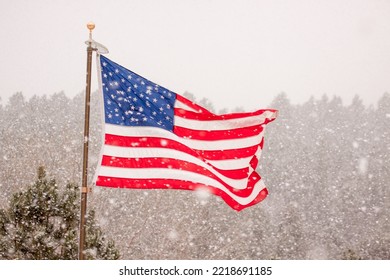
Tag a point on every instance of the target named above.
point(84, 186)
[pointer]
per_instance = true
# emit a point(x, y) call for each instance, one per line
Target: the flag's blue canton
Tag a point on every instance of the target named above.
point(132, 100)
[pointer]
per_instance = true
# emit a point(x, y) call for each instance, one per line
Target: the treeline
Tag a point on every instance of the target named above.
point(326, 166)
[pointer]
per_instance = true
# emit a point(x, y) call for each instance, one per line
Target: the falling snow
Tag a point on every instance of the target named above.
point(326, 166)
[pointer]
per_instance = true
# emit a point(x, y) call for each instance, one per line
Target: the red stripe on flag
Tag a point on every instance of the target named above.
point(176, 184)
point(218, 134)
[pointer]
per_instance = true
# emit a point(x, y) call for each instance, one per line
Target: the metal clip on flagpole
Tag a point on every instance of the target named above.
point(92, 46)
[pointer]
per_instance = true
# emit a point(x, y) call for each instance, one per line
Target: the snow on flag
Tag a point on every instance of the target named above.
point(157, 139)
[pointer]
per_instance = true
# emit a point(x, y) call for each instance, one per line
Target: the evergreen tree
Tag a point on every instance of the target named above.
point(42, 223)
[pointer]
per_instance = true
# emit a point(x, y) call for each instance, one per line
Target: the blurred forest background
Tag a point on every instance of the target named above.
point(326, 165)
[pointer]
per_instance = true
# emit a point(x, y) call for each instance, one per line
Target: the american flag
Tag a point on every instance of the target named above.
point(157, 139)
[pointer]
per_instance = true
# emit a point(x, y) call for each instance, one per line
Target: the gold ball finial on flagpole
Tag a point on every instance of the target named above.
point(90, 26)
point(95, 46)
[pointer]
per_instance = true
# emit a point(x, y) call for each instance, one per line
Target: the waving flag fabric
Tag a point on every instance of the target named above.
point(157, 139)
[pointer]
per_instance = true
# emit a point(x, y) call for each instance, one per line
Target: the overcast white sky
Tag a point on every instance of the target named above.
point(235, 53)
